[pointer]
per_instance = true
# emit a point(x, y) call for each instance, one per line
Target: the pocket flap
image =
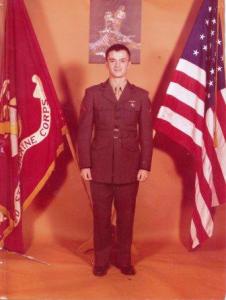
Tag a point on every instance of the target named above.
point(132, 105)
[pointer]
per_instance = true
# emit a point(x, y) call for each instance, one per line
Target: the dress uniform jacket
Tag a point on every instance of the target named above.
point(115, 136)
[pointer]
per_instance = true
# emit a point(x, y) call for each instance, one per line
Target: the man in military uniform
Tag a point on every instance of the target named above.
point(115, 149)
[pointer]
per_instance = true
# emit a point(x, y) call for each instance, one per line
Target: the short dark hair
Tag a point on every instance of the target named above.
point(117, 47)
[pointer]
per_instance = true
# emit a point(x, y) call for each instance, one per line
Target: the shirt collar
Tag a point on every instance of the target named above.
point(118, 85)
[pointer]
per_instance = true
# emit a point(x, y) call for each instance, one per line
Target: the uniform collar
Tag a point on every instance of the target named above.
point(109, 94)
point(121, 85)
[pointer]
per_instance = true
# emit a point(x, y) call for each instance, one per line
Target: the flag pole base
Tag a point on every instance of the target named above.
point(26, 257)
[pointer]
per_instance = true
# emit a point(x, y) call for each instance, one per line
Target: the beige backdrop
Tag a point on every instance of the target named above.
point(61, 213)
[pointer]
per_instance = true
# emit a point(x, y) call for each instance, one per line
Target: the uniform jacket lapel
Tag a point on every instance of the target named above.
point(108, 91)
point(127, 93)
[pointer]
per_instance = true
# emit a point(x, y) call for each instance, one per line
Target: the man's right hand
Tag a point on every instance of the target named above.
point(86, 174)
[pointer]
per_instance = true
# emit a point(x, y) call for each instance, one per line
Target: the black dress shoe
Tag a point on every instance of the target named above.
point(128, 270)
point(100, 271)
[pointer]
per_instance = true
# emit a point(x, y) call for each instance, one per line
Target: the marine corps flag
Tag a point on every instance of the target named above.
point(31, 124)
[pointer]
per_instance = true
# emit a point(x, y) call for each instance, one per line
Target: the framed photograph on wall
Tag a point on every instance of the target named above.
point(111, 22)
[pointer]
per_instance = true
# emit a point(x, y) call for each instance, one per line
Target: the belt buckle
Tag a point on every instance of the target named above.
point(115, 131)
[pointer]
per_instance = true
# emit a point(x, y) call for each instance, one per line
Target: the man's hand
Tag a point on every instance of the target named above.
point(142, 175)
point(86, 174)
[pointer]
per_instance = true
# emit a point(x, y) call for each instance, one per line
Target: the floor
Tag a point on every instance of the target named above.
point(164, 271)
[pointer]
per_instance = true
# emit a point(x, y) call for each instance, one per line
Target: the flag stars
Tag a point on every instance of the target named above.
point(214, 21)
point(207, 22)
point(205, 48)
point(212, 33)
point(202, 36)
point(210, 83)
point(219, 69)
point(210, 8)
point(219, 42)
point(195, 52)
point(212, 71)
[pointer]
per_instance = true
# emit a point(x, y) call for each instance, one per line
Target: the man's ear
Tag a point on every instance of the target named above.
point(129, 63)
point(107, 66)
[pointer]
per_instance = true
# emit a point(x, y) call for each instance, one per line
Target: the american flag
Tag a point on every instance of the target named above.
point(194, 115)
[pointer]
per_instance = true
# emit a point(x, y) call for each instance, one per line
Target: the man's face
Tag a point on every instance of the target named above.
point(117, 63)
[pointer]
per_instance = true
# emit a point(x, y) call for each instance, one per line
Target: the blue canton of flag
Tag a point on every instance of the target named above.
point(205, 46)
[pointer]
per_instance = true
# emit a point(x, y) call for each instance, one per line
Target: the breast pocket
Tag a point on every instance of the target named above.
point(132, 105)
point(103, 114)
point(131, 111)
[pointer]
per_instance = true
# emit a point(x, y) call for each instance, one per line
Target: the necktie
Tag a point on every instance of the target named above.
point(118, 92)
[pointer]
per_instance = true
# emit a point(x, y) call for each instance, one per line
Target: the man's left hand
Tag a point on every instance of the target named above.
point(142, 175)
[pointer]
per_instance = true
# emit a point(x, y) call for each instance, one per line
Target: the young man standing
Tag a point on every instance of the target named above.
point(115, 157)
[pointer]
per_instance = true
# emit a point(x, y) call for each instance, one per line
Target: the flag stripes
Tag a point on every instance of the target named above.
point(184, 118)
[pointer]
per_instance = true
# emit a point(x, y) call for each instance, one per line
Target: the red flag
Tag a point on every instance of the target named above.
point(31, 124)
point(194, 113)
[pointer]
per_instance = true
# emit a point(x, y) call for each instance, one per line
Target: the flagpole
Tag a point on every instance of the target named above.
point(75, 158)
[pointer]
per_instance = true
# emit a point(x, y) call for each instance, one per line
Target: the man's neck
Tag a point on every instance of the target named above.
point(118, 81)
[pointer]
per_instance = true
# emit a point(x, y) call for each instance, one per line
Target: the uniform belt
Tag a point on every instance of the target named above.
point(116, 133)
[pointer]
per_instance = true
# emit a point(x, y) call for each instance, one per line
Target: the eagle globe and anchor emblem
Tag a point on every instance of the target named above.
point(11, 131)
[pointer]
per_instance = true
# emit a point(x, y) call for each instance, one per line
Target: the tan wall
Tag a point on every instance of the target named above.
point(62, 210)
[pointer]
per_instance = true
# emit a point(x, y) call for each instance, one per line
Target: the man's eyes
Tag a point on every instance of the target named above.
point(121, 60)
